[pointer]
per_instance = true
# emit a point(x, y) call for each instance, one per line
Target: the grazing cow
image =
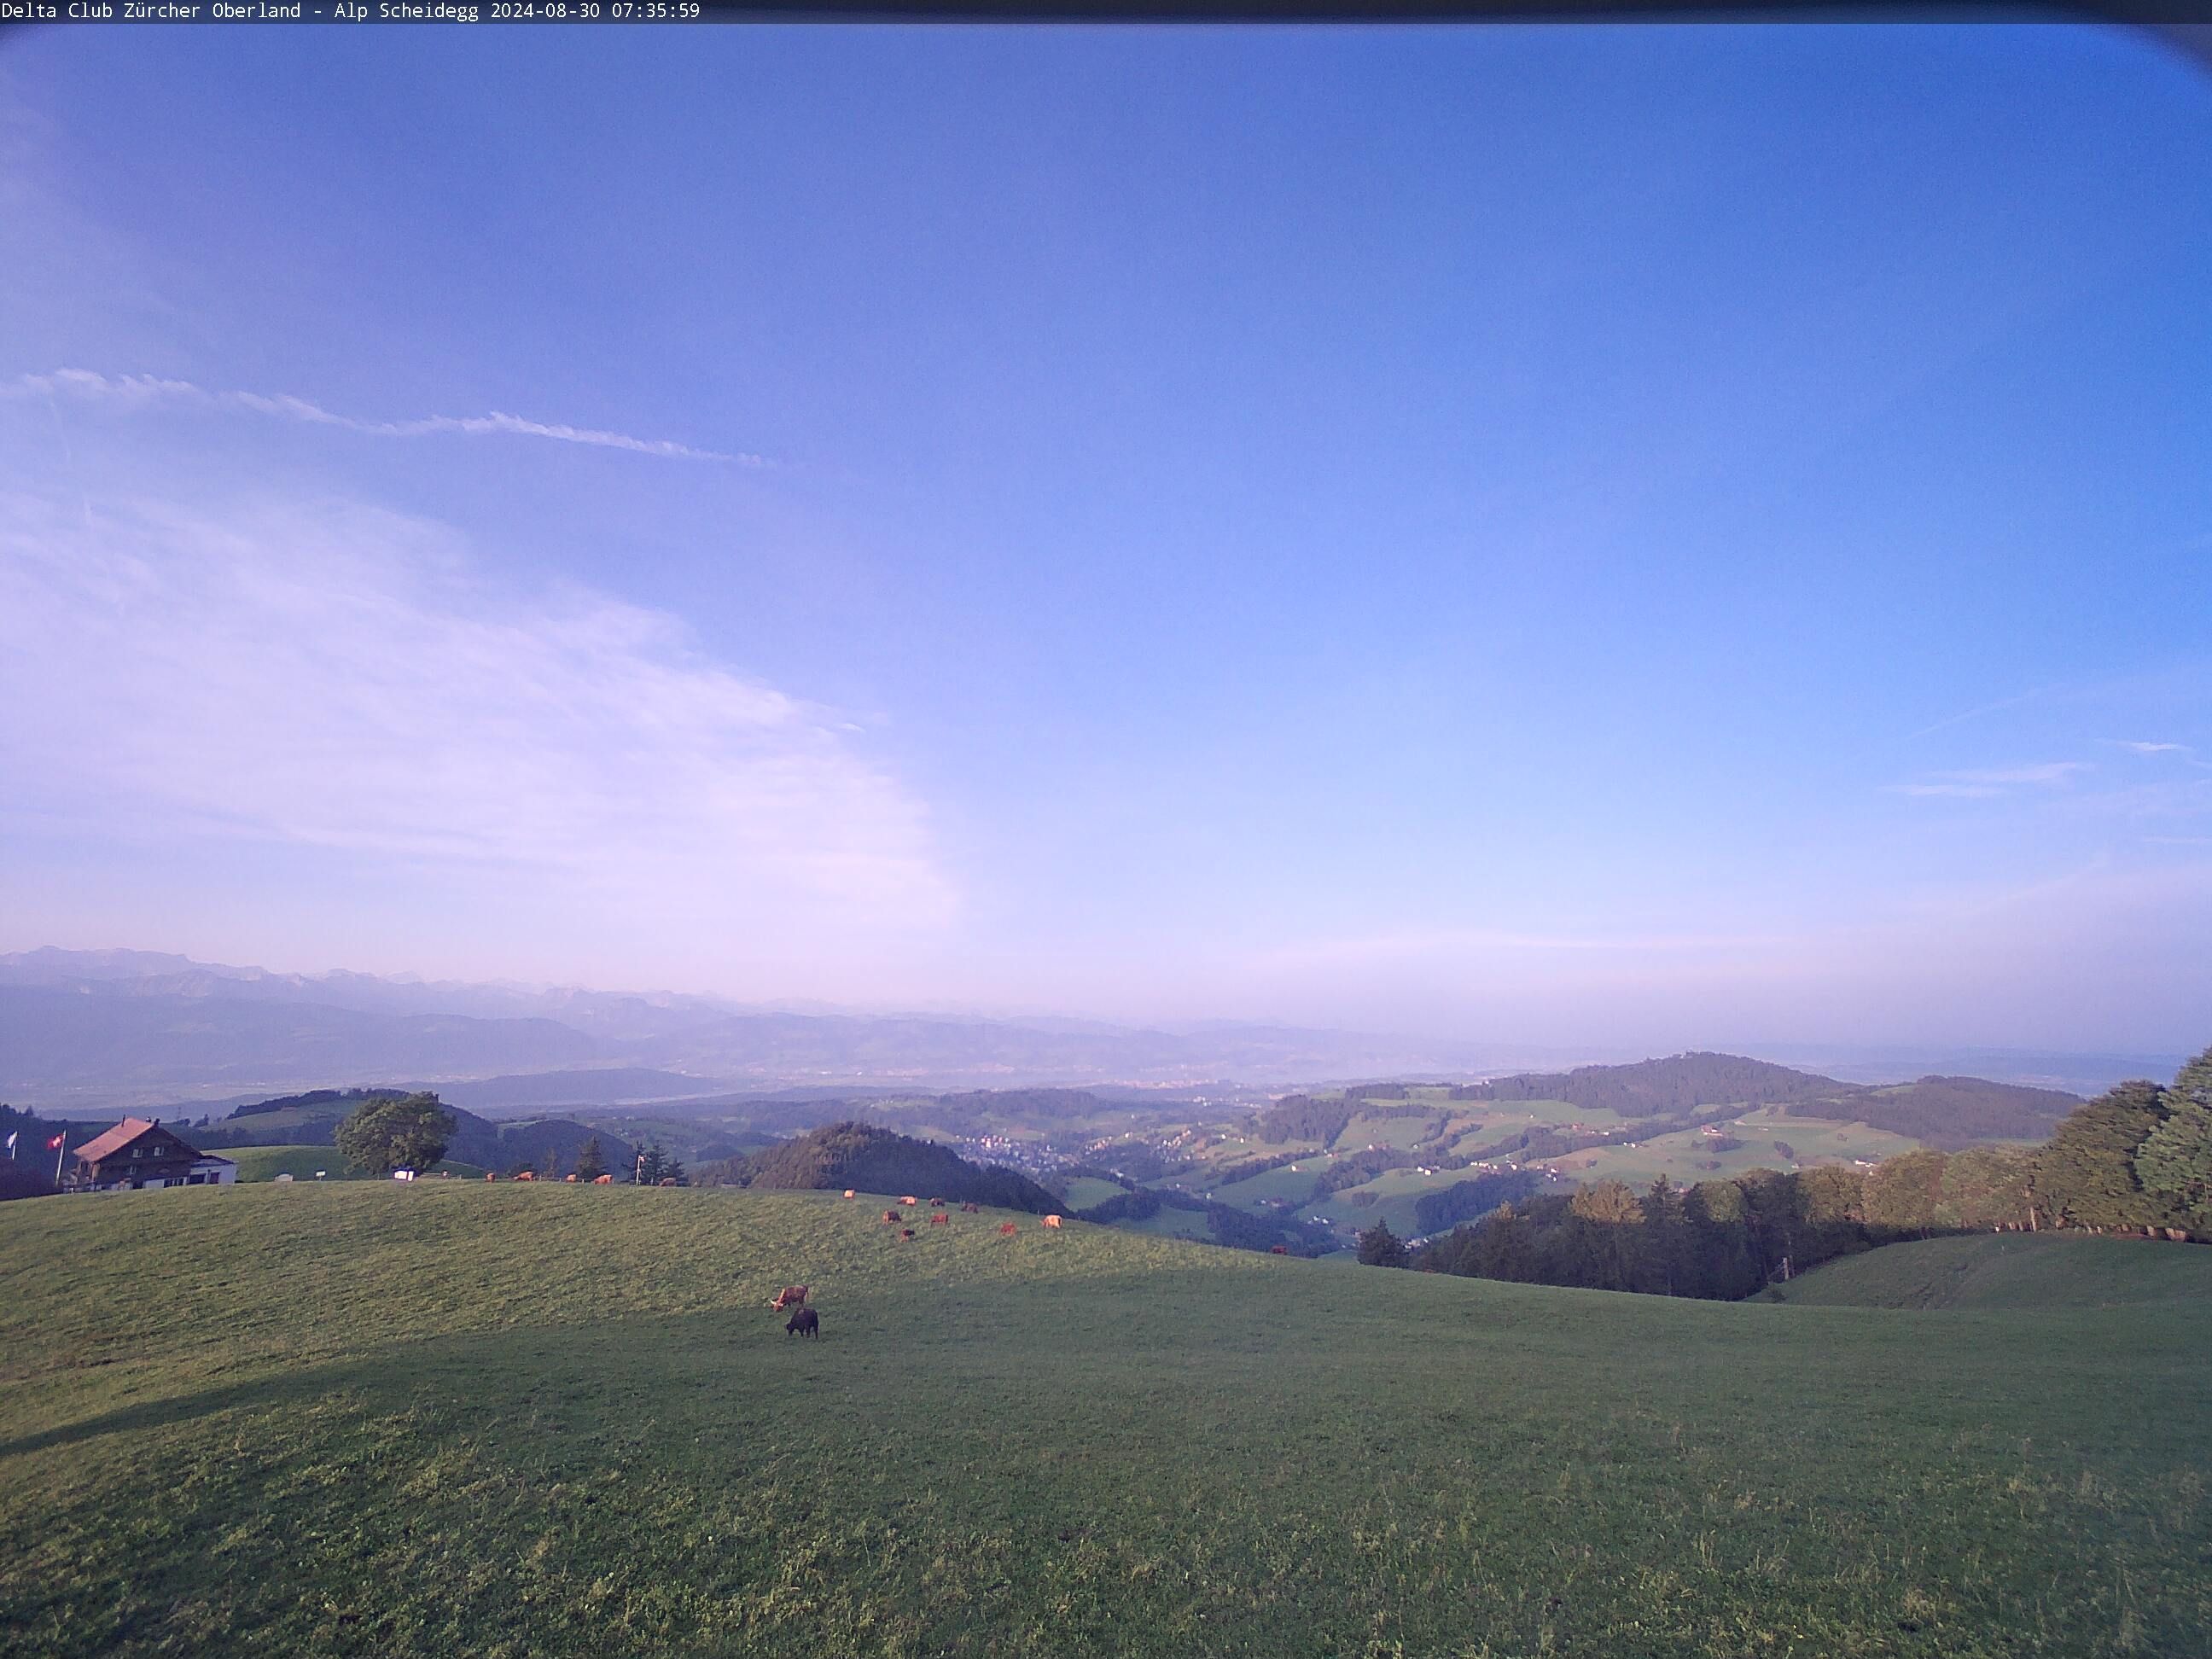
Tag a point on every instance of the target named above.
point(1278, 1249)
point(603, 1180)
point(906, 1232)
point(849, 1193)
point(1007, 1228)
point(971, 1209)
point(568, 1177)
point(527, 1175)
point(791, 1296)
point(940, 1219)
point(1052, 1221)
point(936, 1203)
point(803, 1321)
point(909, 1199)
point(890, 1217)
point(489, 1175)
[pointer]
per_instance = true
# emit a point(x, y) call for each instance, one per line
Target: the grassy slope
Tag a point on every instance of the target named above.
point(503, 1419)
point(2007, 1271)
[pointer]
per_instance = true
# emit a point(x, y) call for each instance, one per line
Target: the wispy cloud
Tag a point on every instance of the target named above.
point(2150, 748)
point(1951, 791)
point(321, 675)
point(1986, 782)
point(134, 393)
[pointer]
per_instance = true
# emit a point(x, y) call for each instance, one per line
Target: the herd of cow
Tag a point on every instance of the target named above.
point(791, 1298)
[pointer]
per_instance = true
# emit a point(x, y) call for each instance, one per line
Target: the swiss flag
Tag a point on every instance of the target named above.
point(54, 1145)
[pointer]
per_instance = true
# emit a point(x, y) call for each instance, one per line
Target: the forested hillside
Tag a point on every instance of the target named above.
point(1658, 1088)
point(1942, 1111)
point(1948, 1112)
point(2138, 1160)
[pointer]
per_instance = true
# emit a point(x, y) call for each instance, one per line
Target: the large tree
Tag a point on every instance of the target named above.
point(1989, 1186)
point(1905, 1194)
point(2174, 1163)
point(396, 1132)
point(2085, 1175)
point(592, 1161)
point(1665, 1267)
point(1606, 1231)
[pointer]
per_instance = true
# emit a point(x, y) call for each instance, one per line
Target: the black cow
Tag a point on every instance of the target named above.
point(805, 1322)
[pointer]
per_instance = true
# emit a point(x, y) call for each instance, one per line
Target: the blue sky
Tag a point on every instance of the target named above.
point(1615, 535)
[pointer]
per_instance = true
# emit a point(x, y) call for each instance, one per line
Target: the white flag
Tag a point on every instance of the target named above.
point(12, 1134)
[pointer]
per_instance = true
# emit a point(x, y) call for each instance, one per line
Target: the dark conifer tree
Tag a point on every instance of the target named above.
point(1665, 1258)
point(2174, 1163)
point(1381, 1248)
point(1504, 1248)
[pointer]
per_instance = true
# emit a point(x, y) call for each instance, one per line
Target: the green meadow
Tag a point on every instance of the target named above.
point(1690, 1156)
point(504, 1419)
point(302, 1162)
point(1083, 1191)
point(2027, 1272)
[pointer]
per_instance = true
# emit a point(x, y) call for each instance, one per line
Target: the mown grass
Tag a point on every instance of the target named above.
point(499, 1419)
point(2033, 1272)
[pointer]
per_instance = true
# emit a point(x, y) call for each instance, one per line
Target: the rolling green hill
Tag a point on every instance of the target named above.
point(2039, 1271)
point(361, 1419)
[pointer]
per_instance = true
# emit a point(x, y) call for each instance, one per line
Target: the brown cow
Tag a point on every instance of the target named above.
point(909, 1199)
point(1052, 1221)
point(849, 1193)
point(936, 1203)
point(526, 1175)
point(940, 1219)
point(906, 1232)
point(1278, 1249)
point(803, 1321)
point(1007, 1228)
point(603, 1180)
point(890, 1217)
point(971, 1209)
point(791, 1296)
point(668, 1180)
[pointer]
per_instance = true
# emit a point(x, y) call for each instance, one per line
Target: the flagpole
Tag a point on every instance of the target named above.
point(61, 1151)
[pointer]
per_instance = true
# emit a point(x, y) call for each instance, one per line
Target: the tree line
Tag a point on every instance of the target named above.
point(2136, 1159)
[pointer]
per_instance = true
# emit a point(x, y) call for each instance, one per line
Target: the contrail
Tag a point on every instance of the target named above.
point(130, 393)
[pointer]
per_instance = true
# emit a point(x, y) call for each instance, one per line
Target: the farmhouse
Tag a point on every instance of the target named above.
point(137, 1153)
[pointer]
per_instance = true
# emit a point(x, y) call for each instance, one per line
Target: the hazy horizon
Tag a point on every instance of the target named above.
point(1627, 539)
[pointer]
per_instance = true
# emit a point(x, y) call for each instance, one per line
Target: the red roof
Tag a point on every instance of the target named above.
point(120, 1136)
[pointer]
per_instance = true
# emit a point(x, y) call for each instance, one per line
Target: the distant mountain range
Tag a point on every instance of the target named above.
point(94, 1030)
point(86, 1030)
